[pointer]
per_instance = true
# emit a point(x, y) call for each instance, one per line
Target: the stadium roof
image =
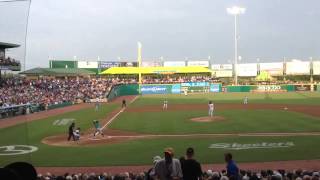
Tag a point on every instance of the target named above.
point(4, 45)
point(57, 72)
point(156, 70)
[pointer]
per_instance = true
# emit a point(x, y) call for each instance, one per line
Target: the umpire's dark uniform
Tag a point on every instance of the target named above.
point(71, 129)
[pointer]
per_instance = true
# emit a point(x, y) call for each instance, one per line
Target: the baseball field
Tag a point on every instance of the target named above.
point(271, 127)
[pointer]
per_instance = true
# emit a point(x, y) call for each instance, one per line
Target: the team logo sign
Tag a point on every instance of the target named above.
point(263, 145)
point(63, 122)
point(11, 150)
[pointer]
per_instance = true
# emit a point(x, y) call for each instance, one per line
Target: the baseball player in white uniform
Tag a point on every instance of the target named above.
point(165, 104)
point(245, 100)
point(211, 108)
point(185, 92)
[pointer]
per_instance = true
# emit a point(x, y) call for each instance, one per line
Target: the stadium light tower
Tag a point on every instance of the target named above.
point(235, 11)
point(139, 60)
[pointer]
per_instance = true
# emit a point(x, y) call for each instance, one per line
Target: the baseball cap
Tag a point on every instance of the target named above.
point(169, 150)
point(156, 159)
point(190, 150)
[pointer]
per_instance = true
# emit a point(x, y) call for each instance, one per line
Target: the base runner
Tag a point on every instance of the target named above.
point(98, 128)
point(211, 108)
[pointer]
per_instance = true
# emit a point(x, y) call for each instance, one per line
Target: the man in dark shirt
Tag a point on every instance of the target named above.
point(191, 168)
point(71, 129)
point(232, 168)
point(124, 103)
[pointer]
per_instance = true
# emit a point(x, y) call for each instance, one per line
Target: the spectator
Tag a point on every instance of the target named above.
point(149, 175)
point(232, 168)
point(168, 168)
point(191, 168)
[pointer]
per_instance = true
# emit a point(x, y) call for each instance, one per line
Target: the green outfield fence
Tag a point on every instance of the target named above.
point(123, 90)
point(261, 88)
point(134, 89)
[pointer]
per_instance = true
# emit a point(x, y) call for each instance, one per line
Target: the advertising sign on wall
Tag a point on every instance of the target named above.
point(174, 63)
point(176, 89)
point(298, 68)
point(155, 89)
point(62, 64)
point(129, 64)
point(269, 88)
point(221, 67)
point(198, 63)
point(109, 64)
point(302, 87)
point(215, 87)
point(223, 73)
point(87, 64)
point(195, 86)
point(161, 89)
point(247, 70)
point(150, 64)
point(274, 69)
point(316, 67)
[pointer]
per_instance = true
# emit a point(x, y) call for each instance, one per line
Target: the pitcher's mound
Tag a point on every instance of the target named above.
point(208, 119)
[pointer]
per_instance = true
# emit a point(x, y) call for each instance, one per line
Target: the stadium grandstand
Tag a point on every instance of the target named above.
point(158, 118)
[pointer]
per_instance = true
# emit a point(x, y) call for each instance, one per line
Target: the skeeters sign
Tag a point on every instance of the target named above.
point(263, 145)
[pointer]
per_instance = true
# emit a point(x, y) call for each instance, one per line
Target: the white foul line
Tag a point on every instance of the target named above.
point(226, 134)
point(116, 115)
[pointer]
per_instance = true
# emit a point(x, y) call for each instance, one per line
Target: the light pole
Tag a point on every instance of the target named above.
point(236, 11)
point(311, 70)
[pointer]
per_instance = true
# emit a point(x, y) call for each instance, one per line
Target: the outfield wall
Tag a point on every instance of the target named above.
point(190, 87)
point(261, 88)
point(202, 87)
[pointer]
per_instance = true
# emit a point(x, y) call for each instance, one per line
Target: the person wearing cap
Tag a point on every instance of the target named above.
point(191, 168)
point(151, 172)
point(168, 168)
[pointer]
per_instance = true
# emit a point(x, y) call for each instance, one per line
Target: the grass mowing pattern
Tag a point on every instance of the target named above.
point(237, 121)
point(309, 98)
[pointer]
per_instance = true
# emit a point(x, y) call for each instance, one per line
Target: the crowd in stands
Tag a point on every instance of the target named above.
point(8, 62)
point(166, 168)
point(207, 175)
point(170, 80)
point(15, 91)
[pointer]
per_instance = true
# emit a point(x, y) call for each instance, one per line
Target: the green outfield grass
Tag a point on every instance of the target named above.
point(237, 121)
point(137, 152)
point(310, 98)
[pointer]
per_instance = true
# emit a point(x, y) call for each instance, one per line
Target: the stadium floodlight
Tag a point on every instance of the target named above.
point(236, 11)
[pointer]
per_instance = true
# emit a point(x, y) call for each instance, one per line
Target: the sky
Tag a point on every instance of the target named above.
point(173, 29)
